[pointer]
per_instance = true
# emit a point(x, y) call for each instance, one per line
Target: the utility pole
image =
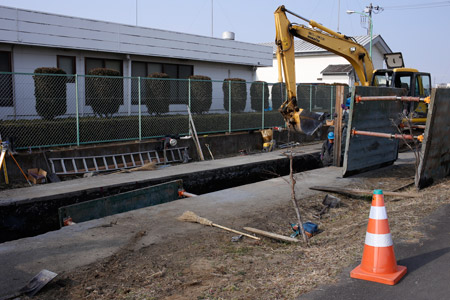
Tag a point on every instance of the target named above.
point(368, 10)
point(339, 12)
point(212, 18)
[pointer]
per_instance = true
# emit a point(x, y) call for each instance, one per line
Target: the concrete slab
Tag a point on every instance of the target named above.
point(31, 211)
point(76, 246)
point(53, 190)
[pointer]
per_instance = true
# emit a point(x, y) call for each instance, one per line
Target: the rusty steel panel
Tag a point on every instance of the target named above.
point(115, 204)
point(364, 153)
point(435, 152)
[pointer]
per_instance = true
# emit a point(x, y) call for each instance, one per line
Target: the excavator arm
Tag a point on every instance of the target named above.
point(295, 117)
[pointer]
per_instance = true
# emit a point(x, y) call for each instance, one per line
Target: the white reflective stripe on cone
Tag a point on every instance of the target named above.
point(378, 213)
point(378, 240)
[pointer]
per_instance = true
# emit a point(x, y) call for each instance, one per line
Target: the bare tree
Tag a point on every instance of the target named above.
point(413, 144)
point(294, 199)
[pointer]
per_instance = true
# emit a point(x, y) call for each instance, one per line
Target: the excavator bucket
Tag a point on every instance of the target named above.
point(304, 121)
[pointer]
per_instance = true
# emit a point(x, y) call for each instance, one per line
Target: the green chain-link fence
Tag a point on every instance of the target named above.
point(48, 110)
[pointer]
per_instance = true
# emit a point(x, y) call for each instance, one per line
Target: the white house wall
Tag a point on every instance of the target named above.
point(308, 68)
point(25, 59)
point(18, 26)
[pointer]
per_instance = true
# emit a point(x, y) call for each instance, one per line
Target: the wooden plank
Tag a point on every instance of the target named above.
point(272, 235)
point(194, 133)
point(359, 192)
point(338, 126)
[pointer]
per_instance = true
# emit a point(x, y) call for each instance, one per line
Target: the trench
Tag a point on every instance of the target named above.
point(38, 216)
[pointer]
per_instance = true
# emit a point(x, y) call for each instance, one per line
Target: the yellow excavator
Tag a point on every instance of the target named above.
point(417, 84)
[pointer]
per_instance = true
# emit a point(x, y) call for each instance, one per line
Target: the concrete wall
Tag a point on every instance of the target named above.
point(221, 145)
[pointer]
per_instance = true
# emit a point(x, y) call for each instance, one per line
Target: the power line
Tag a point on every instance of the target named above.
point(419, 6)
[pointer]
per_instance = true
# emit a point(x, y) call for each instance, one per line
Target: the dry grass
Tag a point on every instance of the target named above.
point(208, 266)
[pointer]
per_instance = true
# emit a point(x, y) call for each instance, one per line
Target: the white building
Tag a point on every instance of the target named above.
point(30, 39)
point(316, 65)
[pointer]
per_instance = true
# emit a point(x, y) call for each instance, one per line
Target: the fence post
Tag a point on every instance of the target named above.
point(189, 102)
point(77, 114)
point(229, 106)
point(139, 108)
point(262, 125)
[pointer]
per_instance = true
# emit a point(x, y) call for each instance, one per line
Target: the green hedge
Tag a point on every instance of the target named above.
point(257, 90)
point(50, 92)
point(201, 93)
point(278, 95)
point(104, 93)
point(304, 94)
point(157, 93)
point(238, 94)
point(35, 133)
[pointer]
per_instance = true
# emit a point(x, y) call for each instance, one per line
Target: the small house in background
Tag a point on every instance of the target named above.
point(32, 39)
point(316, 65)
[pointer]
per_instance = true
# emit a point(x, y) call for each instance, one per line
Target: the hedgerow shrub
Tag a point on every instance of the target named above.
point(201, 93)
point(104, 93)
point(278, 94)
point(238, 94)
point(33, 132)
point(50, 92)
point(305, 94)
point(157, 93)
point(258, 90)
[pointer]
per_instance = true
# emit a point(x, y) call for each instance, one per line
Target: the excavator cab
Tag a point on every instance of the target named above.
point(415, 83)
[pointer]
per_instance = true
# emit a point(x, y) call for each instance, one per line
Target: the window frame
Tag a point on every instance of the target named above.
point(163, 69)
point(103, 63)
point(9, 59)
point(10, 91)
point(74, 66)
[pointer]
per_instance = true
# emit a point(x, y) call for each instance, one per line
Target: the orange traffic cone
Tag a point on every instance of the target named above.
point(378, 262)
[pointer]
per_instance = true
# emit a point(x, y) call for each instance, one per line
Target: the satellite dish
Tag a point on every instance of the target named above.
point(394, 60)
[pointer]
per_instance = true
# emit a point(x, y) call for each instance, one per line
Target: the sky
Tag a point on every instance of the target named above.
point(417, 28)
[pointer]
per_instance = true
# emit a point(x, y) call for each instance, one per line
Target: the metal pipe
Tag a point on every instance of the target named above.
point(298, 16)
point(387, 135)
point(315, 24)
point(392, 98)
point(183, 193)
point(402, 125)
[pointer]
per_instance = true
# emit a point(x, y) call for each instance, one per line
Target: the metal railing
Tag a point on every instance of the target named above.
point(46, 110)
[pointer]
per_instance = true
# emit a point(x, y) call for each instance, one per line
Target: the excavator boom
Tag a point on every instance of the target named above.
point(295, 117)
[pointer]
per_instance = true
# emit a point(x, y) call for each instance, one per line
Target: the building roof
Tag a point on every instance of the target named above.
point(337, 69)
point(26, 27)
point(303, 47)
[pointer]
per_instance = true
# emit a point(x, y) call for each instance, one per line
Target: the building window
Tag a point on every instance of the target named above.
point(178, 88)
point(67, 63)
point(94, 63)
point(6, 80)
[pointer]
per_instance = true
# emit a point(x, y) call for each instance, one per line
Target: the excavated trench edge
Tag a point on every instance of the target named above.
point(41, 215)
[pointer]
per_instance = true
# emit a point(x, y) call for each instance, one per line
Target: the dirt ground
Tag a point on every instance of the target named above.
point(208, 265)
